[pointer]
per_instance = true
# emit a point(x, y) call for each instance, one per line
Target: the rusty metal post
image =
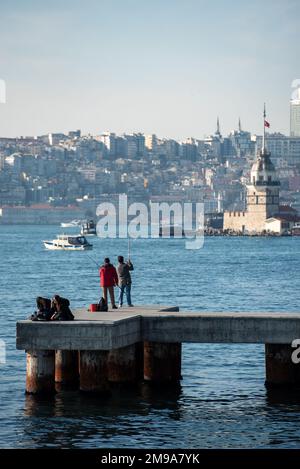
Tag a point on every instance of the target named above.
point(94, 371)
point(280, 370)
point(66, 367)
point(122, 365)
point(40, 371)
point(162, 362)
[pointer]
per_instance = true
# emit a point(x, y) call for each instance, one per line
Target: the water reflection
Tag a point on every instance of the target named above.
point(70, 418)
point(73, 403)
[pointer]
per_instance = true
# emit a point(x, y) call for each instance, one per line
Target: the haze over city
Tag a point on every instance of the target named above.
point(158, 67)
point(149, 232)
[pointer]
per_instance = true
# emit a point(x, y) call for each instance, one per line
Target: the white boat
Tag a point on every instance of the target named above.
point(68, 243)
point(88, 228)
point(71, 224)
point(296, 229)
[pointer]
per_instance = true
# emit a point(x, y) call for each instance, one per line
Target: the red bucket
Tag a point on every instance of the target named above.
point(94, 307)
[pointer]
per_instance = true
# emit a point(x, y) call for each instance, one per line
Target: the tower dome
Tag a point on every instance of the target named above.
point(263, 170)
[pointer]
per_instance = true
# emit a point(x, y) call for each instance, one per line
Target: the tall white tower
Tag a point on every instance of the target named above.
point(295, 114)
point(263, 190)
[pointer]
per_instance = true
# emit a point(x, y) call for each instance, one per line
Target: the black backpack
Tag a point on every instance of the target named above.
point(102, 306)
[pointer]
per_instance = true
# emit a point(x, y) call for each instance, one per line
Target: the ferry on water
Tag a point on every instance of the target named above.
point(88, 228)
point(68, 243)
point(296, 229)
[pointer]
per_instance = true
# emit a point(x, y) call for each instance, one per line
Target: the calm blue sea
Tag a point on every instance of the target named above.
point(222, 401)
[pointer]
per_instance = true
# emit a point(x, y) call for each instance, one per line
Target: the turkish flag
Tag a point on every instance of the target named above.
point(267, 124)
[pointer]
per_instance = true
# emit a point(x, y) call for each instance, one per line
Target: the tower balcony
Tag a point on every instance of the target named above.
point(267, 183)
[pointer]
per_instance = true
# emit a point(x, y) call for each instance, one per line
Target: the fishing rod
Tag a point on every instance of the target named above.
point(92, 259)
point(95, 262)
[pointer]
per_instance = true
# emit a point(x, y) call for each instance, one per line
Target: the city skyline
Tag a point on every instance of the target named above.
point(216, 133)
point(166, 68)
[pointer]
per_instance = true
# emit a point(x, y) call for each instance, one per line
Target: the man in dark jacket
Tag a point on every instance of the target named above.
point(61, 309)
point(124, 277)
point(44, 311)
point(108, 280)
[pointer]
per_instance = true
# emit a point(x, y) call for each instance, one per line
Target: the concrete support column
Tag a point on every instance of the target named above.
point(122, 365)
point(139, 358)
point(162, 362)
point(280, 370)
point(40, 370)
point(66, 367)
point(94, 371)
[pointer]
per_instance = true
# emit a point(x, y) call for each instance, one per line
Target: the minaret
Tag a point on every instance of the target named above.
point(240, 125)
point(218, 132)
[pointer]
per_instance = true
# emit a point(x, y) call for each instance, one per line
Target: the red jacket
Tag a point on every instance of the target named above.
point(108, 276)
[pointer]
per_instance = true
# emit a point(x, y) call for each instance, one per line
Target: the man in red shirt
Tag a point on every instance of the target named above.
point(108, 280)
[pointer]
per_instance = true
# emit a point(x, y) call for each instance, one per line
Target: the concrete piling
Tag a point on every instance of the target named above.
point(122, 365)
point(66, 367)
point(280, 370)
point(94, 371)
point(162, 362)
point(139, 360)
point(40, 370)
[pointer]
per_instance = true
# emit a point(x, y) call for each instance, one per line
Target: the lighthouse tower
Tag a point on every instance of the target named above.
point(263, 190)
point(262, 194)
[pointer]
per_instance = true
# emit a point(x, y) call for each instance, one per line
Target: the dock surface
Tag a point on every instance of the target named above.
point(154, 323)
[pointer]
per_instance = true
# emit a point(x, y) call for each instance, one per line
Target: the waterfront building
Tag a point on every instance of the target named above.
point(284, 220)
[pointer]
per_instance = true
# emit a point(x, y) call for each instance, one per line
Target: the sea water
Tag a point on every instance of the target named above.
point(222, 401)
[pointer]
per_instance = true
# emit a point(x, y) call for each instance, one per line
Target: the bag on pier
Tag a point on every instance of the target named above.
point(102, 306)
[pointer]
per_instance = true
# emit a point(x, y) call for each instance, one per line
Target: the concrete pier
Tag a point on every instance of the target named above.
point(40, 369)
point(66, 367)
point(162, 362)
point(144, 343)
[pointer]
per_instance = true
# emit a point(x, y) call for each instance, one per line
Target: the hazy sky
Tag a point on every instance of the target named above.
point(158, 66)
